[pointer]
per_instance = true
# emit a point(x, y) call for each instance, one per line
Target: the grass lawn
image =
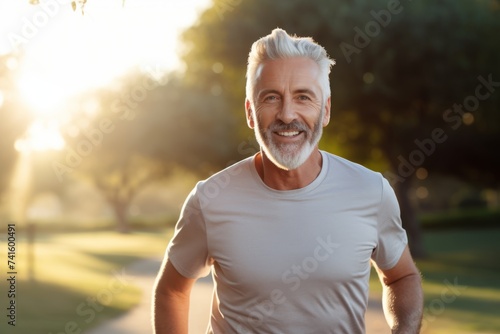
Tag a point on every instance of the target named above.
point(461, 282)
point(79, 279)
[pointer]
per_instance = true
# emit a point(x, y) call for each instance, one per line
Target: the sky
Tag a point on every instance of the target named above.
point(64, 53)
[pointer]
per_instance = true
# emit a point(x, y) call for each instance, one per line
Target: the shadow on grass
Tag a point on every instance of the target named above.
point(115, 260)
point(462, 277)
point(470, 256)
point(47, 308)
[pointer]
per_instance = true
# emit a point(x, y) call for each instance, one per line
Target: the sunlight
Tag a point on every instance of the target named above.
point(43, 97)
point(65, 54)
point(41, 137)
point(19, 188)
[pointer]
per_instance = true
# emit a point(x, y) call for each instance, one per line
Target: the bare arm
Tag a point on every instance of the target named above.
point(403, 296)
point(171, 301)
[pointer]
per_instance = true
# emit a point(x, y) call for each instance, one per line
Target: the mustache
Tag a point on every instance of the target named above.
point(293, 126)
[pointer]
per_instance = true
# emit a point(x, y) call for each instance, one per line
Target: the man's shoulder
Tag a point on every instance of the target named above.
point(236, 171)
point(347, 169)
point(340, 162)
point(226, 187)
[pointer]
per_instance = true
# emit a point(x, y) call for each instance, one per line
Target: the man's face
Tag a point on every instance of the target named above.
point(289, 111)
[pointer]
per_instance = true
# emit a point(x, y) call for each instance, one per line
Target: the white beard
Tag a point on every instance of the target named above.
point(289, 156)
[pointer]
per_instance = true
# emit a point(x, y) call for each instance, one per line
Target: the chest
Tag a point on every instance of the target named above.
point(288, 244)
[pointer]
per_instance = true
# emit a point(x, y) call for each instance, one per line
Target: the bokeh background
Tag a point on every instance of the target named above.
point(110, 111)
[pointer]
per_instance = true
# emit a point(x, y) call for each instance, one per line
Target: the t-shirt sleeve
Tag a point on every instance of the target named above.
point(188, 249)
point(392, 238)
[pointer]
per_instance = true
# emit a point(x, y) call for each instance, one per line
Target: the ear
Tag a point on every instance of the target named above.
point(249, 114)
point(326, 118)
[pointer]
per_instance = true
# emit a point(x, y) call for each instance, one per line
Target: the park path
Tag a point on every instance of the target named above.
point(138, 320)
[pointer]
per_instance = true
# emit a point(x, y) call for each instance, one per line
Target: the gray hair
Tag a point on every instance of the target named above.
point(278, 45)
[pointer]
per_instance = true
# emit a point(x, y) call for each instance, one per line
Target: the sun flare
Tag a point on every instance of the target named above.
point(67, 54)
point(44, 98)
point(41, 136)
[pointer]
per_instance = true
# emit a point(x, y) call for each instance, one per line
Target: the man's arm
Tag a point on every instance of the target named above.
point(403, 296)
point(171, 301)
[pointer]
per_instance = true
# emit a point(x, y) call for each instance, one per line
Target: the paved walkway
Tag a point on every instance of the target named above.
point(137, 321)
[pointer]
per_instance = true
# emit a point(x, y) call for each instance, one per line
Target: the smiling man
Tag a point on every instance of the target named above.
point(289, 233)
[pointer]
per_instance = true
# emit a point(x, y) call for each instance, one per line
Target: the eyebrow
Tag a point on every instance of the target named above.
point(267, 91)
point(297, 91)
point(305, 91)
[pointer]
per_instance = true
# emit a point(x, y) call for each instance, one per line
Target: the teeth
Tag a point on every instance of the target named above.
point(288, 134)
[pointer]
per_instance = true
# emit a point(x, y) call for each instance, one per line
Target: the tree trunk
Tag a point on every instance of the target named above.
point(120, 209)
point(409, 219)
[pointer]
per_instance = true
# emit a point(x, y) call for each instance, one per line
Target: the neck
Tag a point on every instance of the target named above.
point(280, 179)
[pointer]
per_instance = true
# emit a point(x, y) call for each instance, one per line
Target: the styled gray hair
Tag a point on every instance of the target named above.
point(278, 45)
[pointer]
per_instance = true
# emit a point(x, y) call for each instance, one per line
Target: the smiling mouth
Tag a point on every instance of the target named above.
point(288, 133)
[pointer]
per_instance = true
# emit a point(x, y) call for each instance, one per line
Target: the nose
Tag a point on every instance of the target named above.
point(287, 113)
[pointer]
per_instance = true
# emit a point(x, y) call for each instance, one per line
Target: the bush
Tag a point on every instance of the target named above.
point(471, 218)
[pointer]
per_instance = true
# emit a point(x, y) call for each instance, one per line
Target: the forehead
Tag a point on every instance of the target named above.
point(288, 73)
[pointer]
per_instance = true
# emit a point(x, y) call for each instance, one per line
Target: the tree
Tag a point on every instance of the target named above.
point(106, 143)
point(120, 179)
point(400, 67)
point(141, 131)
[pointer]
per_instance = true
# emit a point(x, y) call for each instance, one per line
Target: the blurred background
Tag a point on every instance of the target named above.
point(110, 111)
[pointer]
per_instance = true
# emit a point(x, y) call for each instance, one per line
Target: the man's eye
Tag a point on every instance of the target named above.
point(271, 98)
point(304, 97)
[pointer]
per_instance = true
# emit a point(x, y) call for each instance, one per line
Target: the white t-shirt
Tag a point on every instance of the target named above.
point(295, 261)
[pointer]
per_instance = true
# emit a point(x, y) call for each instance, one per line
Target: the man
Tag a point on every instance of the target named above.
point(289, 233)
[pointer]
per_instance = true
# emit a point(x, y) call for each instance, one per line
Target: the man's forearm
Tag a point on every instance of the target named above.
point(170, 313)
point(403, 304)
